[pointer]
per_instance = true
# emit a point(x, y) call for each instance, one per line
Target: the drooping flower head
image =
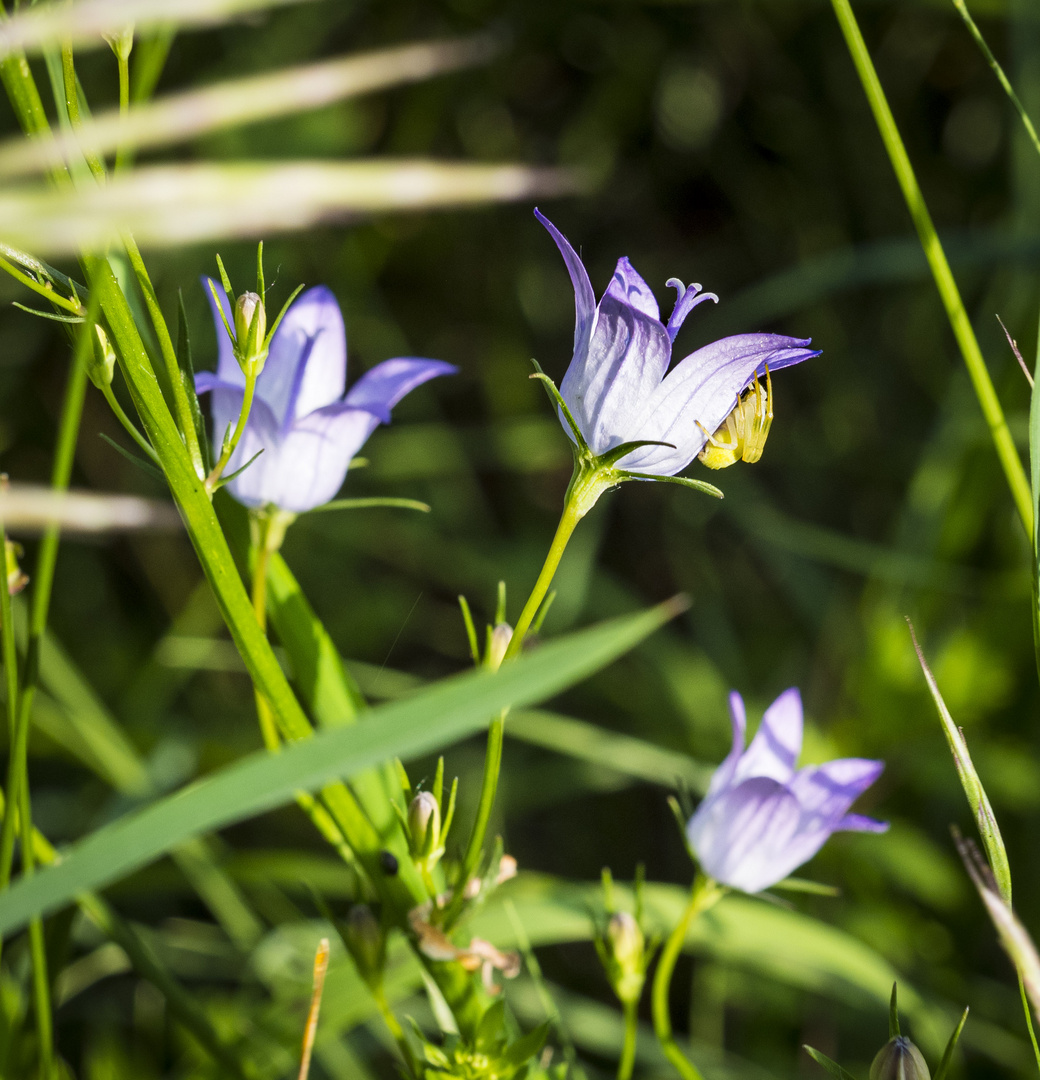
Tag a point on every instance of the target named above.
point(761, 819)
point(619, 388)
point(308, 431)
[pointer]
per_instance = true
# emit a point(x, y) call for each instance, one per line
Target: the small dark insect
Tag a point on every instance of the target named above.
point(388, 861)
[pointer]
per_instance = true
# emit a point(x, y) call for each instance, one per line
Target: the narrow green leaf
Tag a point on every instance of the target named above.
point(831, 1066)
point(134, 459)
point(372, 503)
point(187, 370)
point(985, 819)
point(684, 481)
point(446, 712)
point(1034, 479)
point(944, 1065)
point(893, 1013)
point(170, 205)
point(179, 117)
point(84, 24)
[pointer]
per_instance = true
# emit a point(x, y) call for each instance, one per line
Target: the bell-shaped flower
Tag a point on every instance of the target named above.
point(306, 429)
point(619, 388)
point(760, 818)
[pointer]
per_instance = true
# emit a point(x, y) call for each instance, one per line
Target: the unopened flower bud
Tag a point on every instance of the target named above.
point(16, 580)
point(366, 941)
point(101, 364)
point(123, 42)
point(899, 1059)
point(249, 339)
point(424, 823)
point(625, 956)
point(501, 636)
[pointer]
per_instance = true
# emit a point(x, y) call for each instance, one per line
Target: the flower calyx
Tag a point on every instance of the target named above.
point(247, 328)
point(497, 637)
point(899, 1058)
point(623, 946)
point(427, 820)
point(490, 1055)
point(594, 473)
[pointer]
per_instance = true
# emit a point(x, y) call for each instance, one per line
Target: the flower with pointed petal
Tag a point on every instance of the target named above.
point(618, 388)
point(306, 429)
point(761, 819)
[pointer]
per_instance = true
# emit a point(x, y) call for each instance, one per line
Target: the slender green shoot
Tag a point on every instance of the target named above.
point(933, 250)
point(1005, 83)
point(703, 895)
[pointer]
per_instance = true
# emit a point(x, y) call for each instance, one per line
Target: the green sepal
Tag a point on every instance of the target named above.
point(618, 452)
point(831, 1066)
point(437, 790)
point(226, 282)
point(402, 779)
point(140, 462)
point(944, 1065)
point(220, 306)
point(893, 1013)
point(450, 812)
point(681, 820)
point(471, 630)
point(557, 399)
point(365, 504)
point(527, 1046)
point(187, 369)
point(260, 287)
point(281, 314)
point(804, 885)
point(684, 481)
point(228, 477)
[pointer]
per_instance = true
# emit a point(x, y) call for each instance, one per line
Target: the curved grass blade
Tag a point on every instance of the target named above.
point(85, 23)
point(180, 117)
point(448, 711)
point(170, 205)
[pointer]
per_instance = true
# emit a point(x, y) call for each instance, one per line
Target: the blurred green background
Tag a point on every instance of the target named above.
point(730, 143)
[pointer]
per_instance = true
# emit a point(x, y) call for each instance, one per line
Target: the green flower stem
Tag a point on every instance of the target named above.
point(71, 305)
point(394, 1027)
point(586, 485)
point(68, 71)
point(225, 455)
point(181, 405)
point(628, 1049)
point(944, 279)
point(123, 60)
point(704, 893)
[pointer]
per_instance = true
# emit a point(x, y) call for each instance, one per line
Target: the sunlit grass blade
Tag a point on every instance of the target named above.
point(171, 205)
point(1013, 935)
point(1005, 83)
point(985, 819)
point(185, 204)
point(446, 712)
point(933, 249)
point(180, 117)
point(1034, 479)
point(83, 24)
point(27, 508)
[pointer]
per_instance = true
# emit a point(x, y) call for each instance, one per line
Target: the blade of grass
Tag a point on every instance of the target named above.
point(446, 712)
point(944, 279)
point(85, 23)
point(180, 117)
point(184, 204)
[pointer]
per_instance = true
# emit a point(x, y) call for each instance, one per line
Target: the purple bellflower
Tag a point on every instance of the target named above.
point(308, 431)
point(761, 819)
point(618, 387)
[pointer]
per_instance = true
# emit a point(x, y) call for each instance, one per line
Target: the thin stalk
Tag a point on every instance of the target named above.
point(68, 70)
point(488, 790)
point(572, 514)
point(37, 947)
point(1029, 1020)
point(123, 60)
point(944, 279)
point(43, 581)
point(229, 448)
point(574, 509)
point(70, 305)
point(628, 1049)
point(395, 1029)
point(704, 893)
point(181, 405)
point(128, 424)
point(261, 559)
